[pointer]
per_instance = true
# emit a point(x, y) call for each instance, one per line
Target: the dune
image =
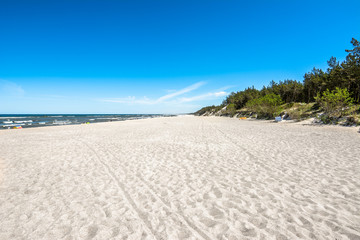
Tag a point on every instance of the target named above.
point(180, 178)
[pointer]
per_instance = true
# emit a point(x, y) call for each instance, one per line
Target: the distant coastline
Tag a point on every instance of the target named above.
point(8, 121)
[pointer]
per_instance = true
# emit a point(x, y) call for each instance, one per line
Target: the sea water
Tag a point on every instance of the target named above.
point(40, 120)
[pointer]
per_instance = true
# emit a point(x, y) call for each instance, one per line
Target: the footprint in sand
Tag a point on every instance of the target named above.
point(208, 222)
point(92, 231)
point(258, 222)
point(216, 213)
point(89, 232)
point(217, 192)
point(247, 230)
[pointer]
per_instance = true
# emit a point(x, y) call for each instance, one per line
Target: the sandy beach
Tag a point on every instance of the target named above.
point(180, 178)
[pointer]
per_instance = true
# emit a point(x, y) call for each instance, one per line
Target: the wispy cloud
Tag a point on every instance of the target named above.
point(130, 100)
point(145, 100)
point(11, 88)
point(180, 92)
point(205, 96)
point(174, 98)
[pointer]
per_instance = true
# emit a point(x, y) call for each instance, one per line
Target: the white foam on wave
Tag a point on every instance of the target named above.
point(26, 121)
point(109, 118)
point(12, 117)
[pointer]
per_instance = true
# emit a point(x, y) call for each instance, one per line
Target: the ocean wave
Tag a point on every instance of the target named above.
point(12, 117)
point(108, 118)
point(26, 121)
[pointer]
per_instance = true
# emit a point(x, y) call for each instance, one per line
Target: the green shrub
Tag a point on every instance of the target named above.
point(231, 109)
point(267, 106)
point(334, 103)
point(295, 114)
point(326, 119)
point(300, 111)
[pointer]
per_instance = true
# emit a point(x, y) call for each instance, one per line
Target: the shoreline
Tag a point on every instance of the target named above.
point(67, 122)
point(305, 122)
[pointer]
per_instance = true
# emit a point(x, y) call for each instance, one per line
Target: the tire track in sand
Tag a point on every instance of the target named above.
point(121, 187)
point(256, 158)
point(191, 226)
point(263, 164)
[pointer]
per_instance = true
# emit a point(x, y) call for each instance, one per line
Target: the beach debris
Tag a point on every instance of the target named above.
point(286, 116)
point(242, 118)
point(278, 119)
point(17, 127)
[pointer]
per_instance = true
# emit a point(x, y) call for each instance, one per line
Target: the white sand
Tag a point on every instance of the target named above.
point(180, 178)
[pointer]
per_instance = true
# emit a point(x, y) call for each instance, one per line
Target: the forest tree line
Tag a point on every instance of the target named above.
point(344, 75)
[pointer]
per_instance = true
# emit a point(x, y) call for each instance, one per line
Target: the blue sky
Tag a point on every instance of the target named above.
point(160, 56)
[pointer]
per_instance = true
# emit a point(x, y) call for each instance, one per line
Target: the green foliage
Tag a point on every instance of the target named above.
point(335, 102)
point(267, 106)
point(344, 75)
point(352, 120)
point(326, 119)
point(298, 111)
point(289, 90)
point(239, 99)
point(230, 109)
